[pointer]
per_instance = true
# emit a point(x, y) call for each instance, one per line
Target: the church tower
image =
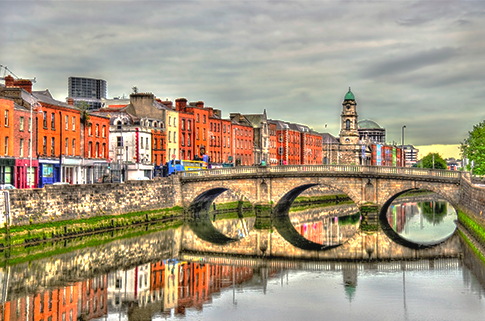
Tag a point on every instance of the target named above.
point(349, 134)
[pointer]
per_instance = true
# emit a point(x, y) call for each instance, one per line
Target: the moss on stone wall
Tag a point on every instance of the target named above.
point(41, 232)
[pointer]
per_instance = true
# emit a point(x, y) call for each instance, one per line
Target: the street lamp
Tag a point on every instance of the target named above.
point(31, 128)
point(402, 146)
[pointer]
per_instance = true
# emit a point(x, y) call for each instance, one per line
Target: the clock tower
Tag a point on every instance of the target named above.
point(349, 134)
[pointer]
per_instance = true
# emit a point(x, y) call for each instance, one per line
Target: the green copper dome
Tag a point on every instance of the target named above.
point(349, 95)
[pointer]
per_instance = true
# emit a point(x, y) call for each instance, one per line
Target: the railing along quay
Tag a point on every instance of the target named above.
point(377, 170)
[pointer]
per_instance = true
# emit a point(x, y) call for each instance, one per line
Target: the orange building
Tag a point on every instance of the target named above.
point(59, 141)
point(186, 131)
point(273, 159)
point(311, 148)
point(7, 162)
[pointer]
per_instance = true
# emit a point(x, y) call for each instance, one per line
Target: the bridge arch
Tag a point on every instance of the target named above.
point(282, 223)
point(281, 188)
point(393, 235)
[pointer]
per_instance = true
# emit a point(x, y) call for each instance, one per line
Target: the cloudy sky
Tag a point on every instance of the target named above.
point(414, 63)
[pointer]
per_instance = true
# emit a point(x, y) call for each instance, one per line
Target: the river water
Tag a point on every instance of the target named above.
point(150, 272)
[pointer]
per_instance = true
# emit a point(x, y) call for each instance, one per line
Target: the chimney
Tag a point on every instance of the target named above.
point(24, 84)
point(180, 104)
point(70, 101)
point(9, 81)
point(199, 104)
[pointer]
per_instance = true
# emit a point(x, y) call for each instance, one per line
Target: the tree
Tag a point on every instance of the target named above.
point(84, 107)
point(473, 149)
point(427, 161)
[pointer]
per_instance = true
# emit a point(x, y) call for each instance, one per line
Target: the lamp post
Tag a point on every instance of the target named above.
point(31, 128)
point(402, 147)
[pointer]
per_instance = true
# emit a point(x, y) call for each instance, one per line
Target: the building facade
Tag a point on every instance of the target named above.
point(89, 90)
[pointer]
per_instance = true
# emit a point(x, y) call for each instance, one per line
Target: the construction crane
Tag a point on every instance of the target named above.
point(5, 69)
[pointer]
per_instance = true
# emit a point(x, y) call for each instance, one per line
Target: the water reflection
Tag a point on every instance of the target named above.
point(329, 230)
point(175, 288)
point(426, 222)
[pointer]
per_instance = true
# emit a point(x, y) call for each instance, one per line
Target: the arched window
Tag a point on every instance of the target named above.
point(347, 124)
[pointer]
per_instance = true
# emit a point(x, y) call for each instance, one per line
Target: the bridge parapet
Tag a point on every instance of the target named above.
point(376, 170)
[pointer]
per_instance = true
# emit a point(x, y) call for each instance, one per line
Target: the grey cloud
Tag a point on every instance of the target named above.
point(411, 62)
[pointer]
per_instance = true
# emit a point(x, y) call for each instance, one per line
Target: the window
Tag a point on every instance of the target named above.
point(30, 124)
point(6, 118)
point(182, 140)
point(203, 133)
point(104, 131)
point(73, 147)
point(174, 137)
point(73, 123)
point(30, 147)
point(188, 124)
point(155, 144)
point(45, 119)
point(97, 130)
point(66, 121)
point(347, 124)
point(53, 144)
point(169, 137)
point(189, 141)
point(141, 142)
point(280, 138)
point(45, 146)
point(90, 129)
point(183, 124)
point(224, 128)
point(280, 150)
point(175, 122)
point(53, 121)
point(66, 147)
point(90, 148)
point(118, 125)
point(198, 118)
point(203, 118)
point(197, 133)
point(96, 150)
point(21, 124)
point(21, 147)
point(169, 121)
point(147, 146)
point(119, 141)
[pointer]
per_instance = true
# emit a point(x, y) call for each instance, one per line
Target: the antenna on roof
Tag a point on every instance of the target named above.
point(5, 69)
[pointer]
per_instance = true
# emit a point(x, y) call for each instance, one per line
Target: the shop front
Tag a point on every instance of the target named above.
point(49, 171)
point(71, 170)
point(7, 173)
point(93, 171)
point(26, 173)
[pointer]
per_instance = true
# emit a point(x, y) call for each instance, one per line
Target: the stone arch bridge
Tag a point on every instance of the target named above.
point(278, 185)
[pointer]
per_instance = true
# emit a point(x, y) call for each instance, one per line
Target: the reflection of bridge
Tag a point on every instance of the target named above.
point(281, 184)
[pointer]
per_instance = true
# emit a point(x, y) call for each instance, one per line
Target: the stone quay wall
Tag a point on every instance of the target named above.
point(472, 200)
point(67, 202)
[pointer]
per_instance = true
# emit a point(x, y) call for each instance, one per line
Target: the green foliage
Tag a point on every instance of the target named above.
point(427, 161)
point(84, 107)
point(434, 212)
point(473, 149)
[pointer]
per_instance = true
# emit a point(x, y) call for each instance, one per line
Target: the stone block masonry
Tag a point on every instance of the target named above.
point(68, 202)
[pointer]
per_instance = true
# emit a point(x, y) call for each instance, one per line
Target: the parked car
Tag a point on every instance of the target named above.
point(7, 186)
point(61, 183)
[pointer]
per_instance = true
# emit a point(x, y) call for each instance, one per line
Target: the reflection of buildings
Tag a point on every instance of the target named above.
point(84, 300)
point(328, 231)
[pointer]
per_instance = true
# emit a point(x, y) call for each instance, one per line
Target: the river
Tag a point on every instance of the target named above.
point(153, 272)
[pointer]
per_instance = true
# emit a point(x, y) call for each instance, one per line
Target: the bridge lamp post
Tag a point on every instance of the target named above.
point(402, 147)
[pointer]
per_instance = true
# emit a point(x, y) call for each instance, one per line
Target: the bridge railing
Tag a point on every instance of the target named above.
point(406, 171)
